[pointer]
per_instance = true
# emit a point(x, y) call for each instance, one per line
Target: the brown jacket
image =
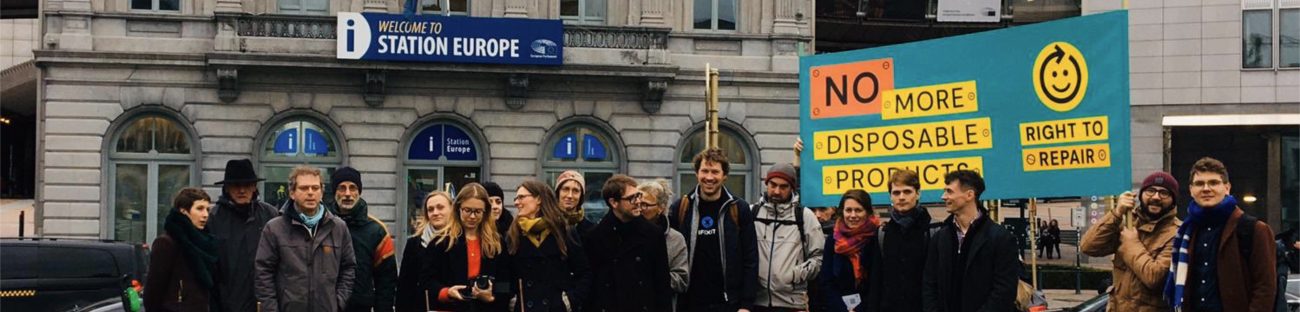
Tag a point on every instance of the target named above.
point(1140, 266)
point(171, 285)
point(1250, 282)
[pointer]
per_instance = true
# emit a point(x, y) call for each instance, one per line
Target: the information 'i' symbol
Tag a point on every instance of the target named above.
point(352, 35)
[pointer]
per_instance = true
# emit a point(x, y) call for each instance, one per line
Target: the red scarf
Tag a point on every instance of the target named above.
point(849, 242)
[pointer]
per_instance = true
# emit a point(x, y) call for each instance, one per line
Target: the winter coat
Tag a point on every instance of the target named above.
point(895, 274)
point(376, 279)
point(787, 259)
point(548, 280)
point(986, 281)
point(1140, 267)
point(303, 270)
point(451, 268)
point(237, 232)
point(171, 285)
point(412, 279)
point(629, 266)
point(837, 278)
point(1248, 283)
point(738, 244)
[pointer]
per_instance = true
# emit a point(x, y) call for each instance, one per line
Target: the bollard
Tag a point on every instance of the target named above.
point(1078, 271)
point(22, 223)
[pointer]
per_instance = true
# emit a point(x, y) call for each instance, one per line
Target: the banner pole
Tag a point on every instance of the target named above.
point(1033, 240)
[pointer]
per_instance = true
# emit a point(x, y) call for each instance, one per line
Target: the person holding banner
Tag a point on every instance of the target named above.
point(973, 263)
point(1142, 251)
point(895, 280)
point(849, 255)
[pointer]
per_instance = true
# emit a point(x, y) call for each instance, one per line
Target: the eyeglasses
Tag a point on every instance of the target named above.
point(1159, 193)
point(522, 196)
point(1210, 183)
point(476, 212)
point(632, 198)
point(645, 205)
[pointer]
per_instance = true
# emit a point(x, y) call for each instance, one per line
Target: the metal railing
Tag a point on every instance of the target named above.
point(615, 37)
point(286, 26)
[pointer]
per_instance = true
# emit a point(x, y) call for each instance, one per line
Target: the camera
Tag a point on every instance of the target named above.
point(483, 281)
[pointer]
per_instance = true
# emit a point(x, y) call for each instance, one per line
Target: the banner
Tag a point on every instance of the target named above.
point(449, 39)
point(1039, 110)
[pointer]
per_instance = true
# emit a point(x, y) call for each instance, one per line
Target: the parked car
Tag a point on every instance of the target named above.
point(49, 274)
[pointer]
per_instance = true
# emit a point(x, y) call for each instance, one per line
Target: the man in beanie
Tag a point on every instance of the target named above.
point(375, 283)
point(1142, 250)
point(236, 222)
point(570, 189)
point(496, 199)
point(790, 243)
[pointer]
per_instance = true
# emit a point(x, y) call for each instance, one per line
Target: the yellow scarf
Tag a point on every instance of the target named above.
point(535, 229)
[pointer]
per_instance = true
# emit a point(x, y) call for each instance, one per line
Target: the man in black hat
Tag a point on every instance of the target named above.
point(375, 283)
point(236, 222)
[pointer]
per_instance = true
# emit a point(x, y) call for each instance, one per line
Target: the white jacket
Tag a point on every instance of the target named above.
point(785, 263)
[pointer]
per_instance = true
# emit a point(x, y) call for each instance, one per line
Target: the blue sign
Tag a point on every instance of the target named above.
point(442, 140)
point(1038, 110)
point(567, 148)
point(314, 143)
point(594, 150)
point(287, 142)
point(451, 39)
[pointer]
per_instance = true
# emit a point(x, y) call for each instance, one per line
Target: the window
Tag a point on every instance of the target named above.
point(1260, 48)
point(305, 7)
point(583, 11)
point(715, 14)
point(156, 5)
point(740, 179)
point(296, 141)
point(441, 152)
point(589, 150)
point(151, 160)
point(444, 7)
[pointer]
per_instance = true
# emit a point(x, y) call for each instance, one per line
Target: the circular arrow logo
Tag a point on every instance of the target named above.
point(1060, 76)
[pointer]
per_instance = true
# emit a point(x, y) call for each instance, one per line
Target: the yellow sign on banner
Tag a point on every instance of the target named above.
point(933, 100)
point(874, 177)
point(919, 138)
point(1065, 131)
point(1067, 157)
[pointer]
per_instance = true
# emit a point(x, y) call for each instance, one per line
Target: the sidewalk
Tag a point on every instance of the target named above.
point(1058, 299)
point(9, 211)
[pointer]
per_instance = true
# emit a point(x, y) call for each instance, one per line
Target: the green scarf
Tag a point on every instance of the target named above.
point(198, 245)
point(575, 216)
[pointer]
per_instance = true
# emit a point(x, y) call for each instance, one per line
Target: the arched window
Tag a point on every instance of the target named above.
point(152, 157)
point(590, 150)
point(440, 152)
point(296, 140)
point(741, 179)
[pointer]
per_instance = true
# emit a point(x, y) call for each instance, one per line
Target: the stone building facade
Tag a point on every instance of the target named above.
point(139, 98)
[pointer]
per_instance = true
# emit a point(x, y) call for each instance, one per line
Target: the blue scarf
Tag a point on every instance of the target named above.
point(1176, 282)
point(312, 221)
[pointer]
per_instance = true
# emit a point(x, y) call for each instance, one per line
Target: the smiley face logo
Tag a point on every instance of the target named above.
point(1060, 76)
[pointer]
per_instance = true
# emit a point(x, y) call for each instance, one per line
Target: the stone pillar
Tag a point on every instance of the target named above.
point(517, 8)
point(229, 6)
point(652, 12)
point(375, 6)
point(786, 21)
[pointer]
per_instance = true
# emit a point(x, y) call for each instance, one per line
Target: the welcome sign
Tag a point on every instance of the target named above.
point(451, 39)
point(1039, 111)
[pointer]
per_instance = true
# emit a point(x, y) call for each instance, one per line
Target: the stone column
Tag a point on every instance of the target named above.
point(516, 8)
point(786, 22)
point(229, 6)
point(652, 12)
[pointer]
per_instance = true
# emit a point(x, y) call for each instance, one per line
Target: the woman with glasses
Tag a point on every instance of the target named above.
point(471, 271)
point(416, 267)
point(550, 267)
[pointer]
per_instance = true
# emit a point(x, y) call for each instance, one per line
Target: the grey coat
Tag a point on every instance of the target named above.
point(303, 270)
point(237, 232)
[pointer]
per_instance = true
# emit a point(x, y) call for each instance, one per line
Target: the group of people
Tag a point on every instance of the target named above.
point(708, 250)
point(1049, 238)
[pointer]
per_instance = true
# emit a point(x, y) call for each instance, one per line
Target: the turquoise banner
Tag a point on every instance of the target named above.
point(1039, 110)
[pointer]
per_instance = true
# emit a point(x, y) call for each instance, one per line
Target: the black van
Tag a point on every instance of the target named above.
point(49, 274)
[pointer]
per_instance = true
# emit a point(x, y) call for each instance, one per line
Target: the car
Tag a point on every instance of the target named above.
point(56, 274)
